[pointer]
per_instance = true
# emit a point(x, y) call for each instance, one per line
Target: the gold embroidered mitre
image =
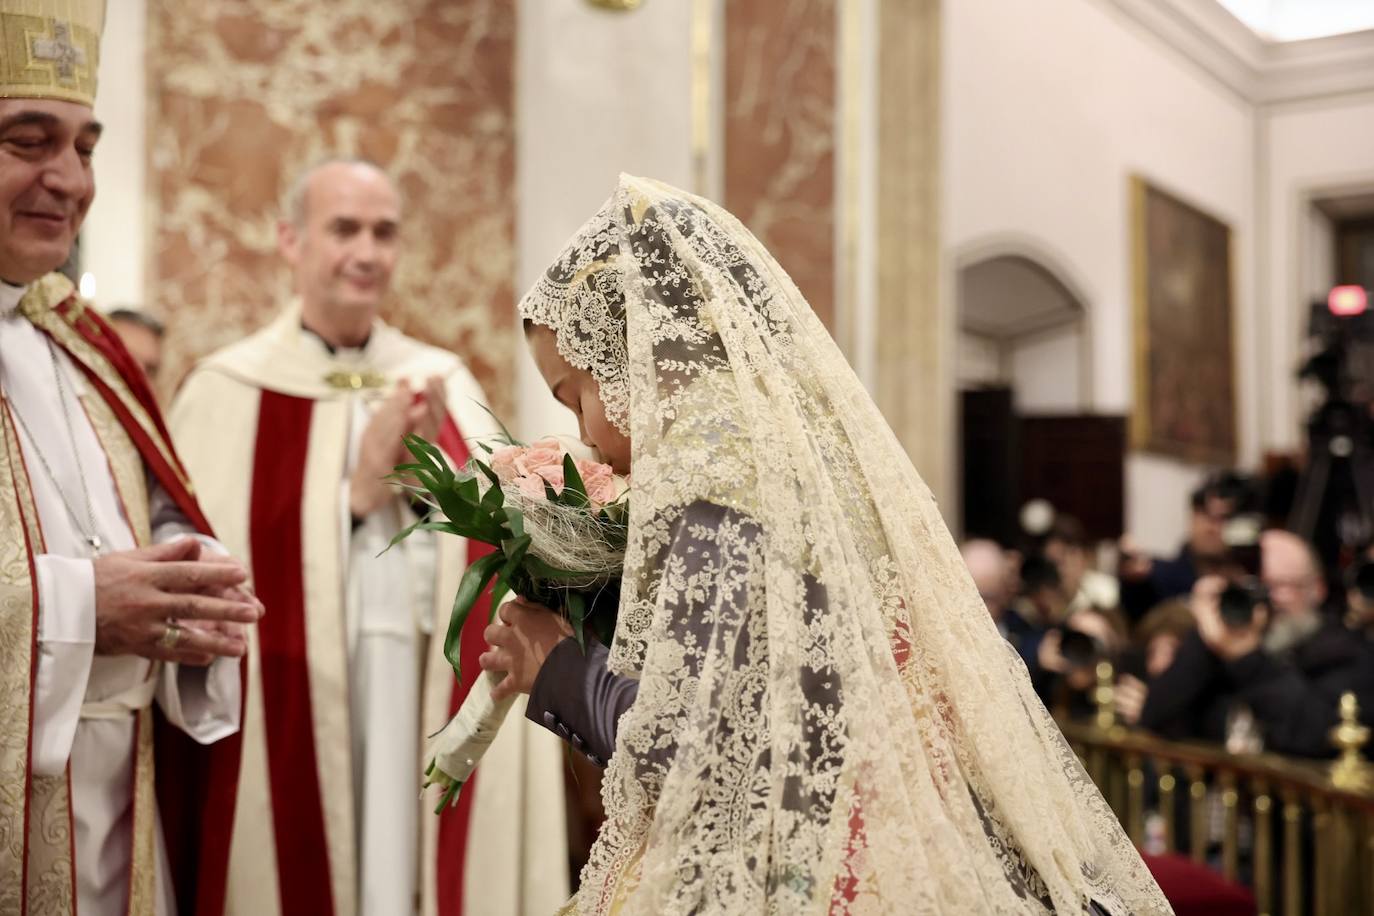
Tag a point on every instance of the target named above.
point(50, 49)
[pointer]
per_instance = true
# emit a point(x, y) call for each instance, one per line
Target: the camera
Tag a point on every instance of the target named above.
point(1240, 599)
point(1078, 648)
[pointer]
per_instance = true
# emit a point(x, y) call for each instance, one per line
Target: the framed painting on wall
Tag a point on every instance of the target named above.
point(1185, 355)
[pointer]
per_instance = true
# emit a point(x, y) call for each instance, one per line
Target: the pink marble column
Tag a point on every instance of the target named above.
point(243, 95)
point(780, 129)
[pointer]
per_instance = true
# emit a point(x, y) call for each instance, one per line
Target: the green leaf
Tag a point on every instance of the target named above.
point(513, 550)
point(499, 590)
point(493, 499)
point(516, 520)
point(449, 797)
point(401, 536)
point(574, 490)
point(577, 615)
point(603, 625)
point(510, 440)
point(488, 473)
point(469, 491)
point(430, 456)
point(470, 588)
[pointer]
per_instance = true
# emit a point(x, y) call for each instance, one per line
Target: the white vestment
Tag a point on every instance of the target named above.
point(388, 609)
point(84, 704)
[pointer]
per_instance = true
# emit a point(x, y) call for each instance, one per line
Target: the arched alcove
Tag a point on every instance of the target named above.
point(1025, 371)
point(1021, 326)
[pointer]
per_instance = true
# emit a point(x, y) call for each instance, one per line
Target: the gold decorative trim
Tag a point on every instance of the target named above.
point(51, 50)
point(1140, 334)
point(354, 381)
point(44, 853)
point(39, 306)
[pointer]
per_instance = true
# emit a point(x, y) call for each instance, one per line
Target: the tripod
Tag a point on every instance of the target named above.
point(1334, 505)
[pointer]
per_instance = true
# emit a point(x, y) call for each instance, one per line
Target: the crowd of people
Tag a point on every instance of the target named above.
point(1241, 638)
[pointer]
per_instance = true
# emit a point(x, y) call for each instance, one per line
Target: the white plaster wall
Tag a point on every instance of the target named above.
point(1318, 255)
point(597, 93)
point(1316, 149)
point(1049, 108)
point(1045, 371)
point(114, 238)
point(979, 361)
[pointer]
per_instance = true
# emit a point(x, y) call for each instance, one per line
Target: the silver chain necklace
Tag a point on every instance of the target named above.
point(89, 531)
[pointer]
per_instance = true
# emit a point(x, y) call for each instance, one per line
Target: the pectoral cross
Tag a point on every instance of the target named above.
point(60, 51)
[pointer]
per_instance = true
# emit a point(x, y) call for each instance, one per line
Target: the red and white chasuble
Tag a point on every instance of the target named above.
point(116, 773)
point(346, 670)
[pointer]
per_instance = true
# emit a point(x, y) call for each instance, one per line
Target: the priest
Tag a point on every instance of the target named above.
point(290, 434)
point(121, 622)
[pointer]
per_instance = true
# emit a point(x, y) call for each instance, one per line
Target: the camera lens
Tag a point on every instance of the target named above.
point(1238, 605)
point(1079, 649)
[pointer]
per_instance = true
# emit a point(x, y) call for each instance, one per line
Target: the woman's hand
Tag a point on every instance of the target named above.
point(524, 636)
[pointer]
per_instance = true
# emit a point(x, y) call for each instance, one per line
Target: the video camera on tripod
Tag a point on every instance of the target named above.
point(1334, 505)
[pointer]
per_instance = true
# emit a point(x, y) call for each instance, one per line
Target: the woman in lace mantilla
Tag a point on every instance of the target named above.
point(805, 708)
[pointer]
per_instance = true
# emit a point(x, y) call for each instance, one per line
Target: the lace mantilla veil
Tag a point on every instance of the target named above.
point(827, 719)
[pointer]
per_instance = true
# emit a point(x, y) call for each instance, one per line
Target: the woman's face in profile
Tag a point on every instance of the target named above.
point(578, 391)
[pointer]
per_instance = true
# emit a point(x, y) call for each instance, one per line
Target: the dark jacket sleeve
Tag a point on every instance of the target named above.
point(1181, 701)
point(579, 700)
point(1297, 701)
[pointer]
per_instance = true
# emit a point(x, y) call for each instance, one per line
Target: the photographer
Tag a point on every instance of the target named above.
point(1146, 581)
point(1067, 546)
point(1060, 649)
point(1272, 651)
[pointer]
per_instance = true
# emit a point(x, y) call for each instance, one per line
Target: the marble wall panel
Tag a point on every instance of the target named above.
point(780, 130)
point(243, 95)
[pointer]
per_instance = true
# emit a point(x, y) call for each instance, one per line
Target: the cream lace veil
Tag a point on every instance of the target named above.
point(827, 719)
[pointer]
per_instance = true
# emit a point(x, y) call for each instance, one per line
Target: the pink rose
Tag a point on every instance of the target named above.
point(599, 480)
point(552, 474)
point(502, 462)
point(550, 442)
point(536, 457)
point(530, 487)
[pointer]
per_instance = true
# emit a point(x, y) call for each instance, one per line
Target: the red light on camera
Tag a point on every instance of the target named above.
point(1346, 301)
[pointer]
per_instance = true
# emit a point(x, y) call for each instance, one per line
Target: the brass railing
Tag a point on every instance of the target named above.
point(1299, 833)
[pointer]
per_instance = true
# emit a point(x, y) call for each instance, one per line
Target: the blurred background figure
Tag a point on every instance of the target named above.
point(1265, 658)
point(1067, 546)
point(142, 335)
point(1146, 580)
point(994, 573)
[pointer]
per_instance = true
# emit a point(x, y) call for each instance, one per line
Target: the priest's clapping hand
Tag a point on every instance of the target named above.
point(405, 411)
point(165, 602)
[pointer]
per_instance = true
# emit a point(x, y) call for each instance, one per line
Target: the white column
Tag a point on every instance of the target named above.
point(114, 240)
point(597, 93)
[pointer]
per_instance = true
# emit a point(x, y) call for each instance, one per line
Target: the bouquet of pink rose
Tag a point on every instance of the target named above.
point(559, 526)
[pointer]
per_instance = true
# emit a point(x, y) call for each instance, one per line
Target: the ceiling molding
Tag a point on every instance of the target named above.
point(1260, 71)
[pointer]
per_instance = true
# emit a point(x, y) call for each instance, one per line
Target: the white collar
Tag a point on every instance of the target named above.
point(10, 296)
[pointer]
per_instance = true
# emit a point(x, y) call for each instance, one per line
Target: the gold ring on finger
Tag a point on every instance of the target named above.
point(171, 636)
